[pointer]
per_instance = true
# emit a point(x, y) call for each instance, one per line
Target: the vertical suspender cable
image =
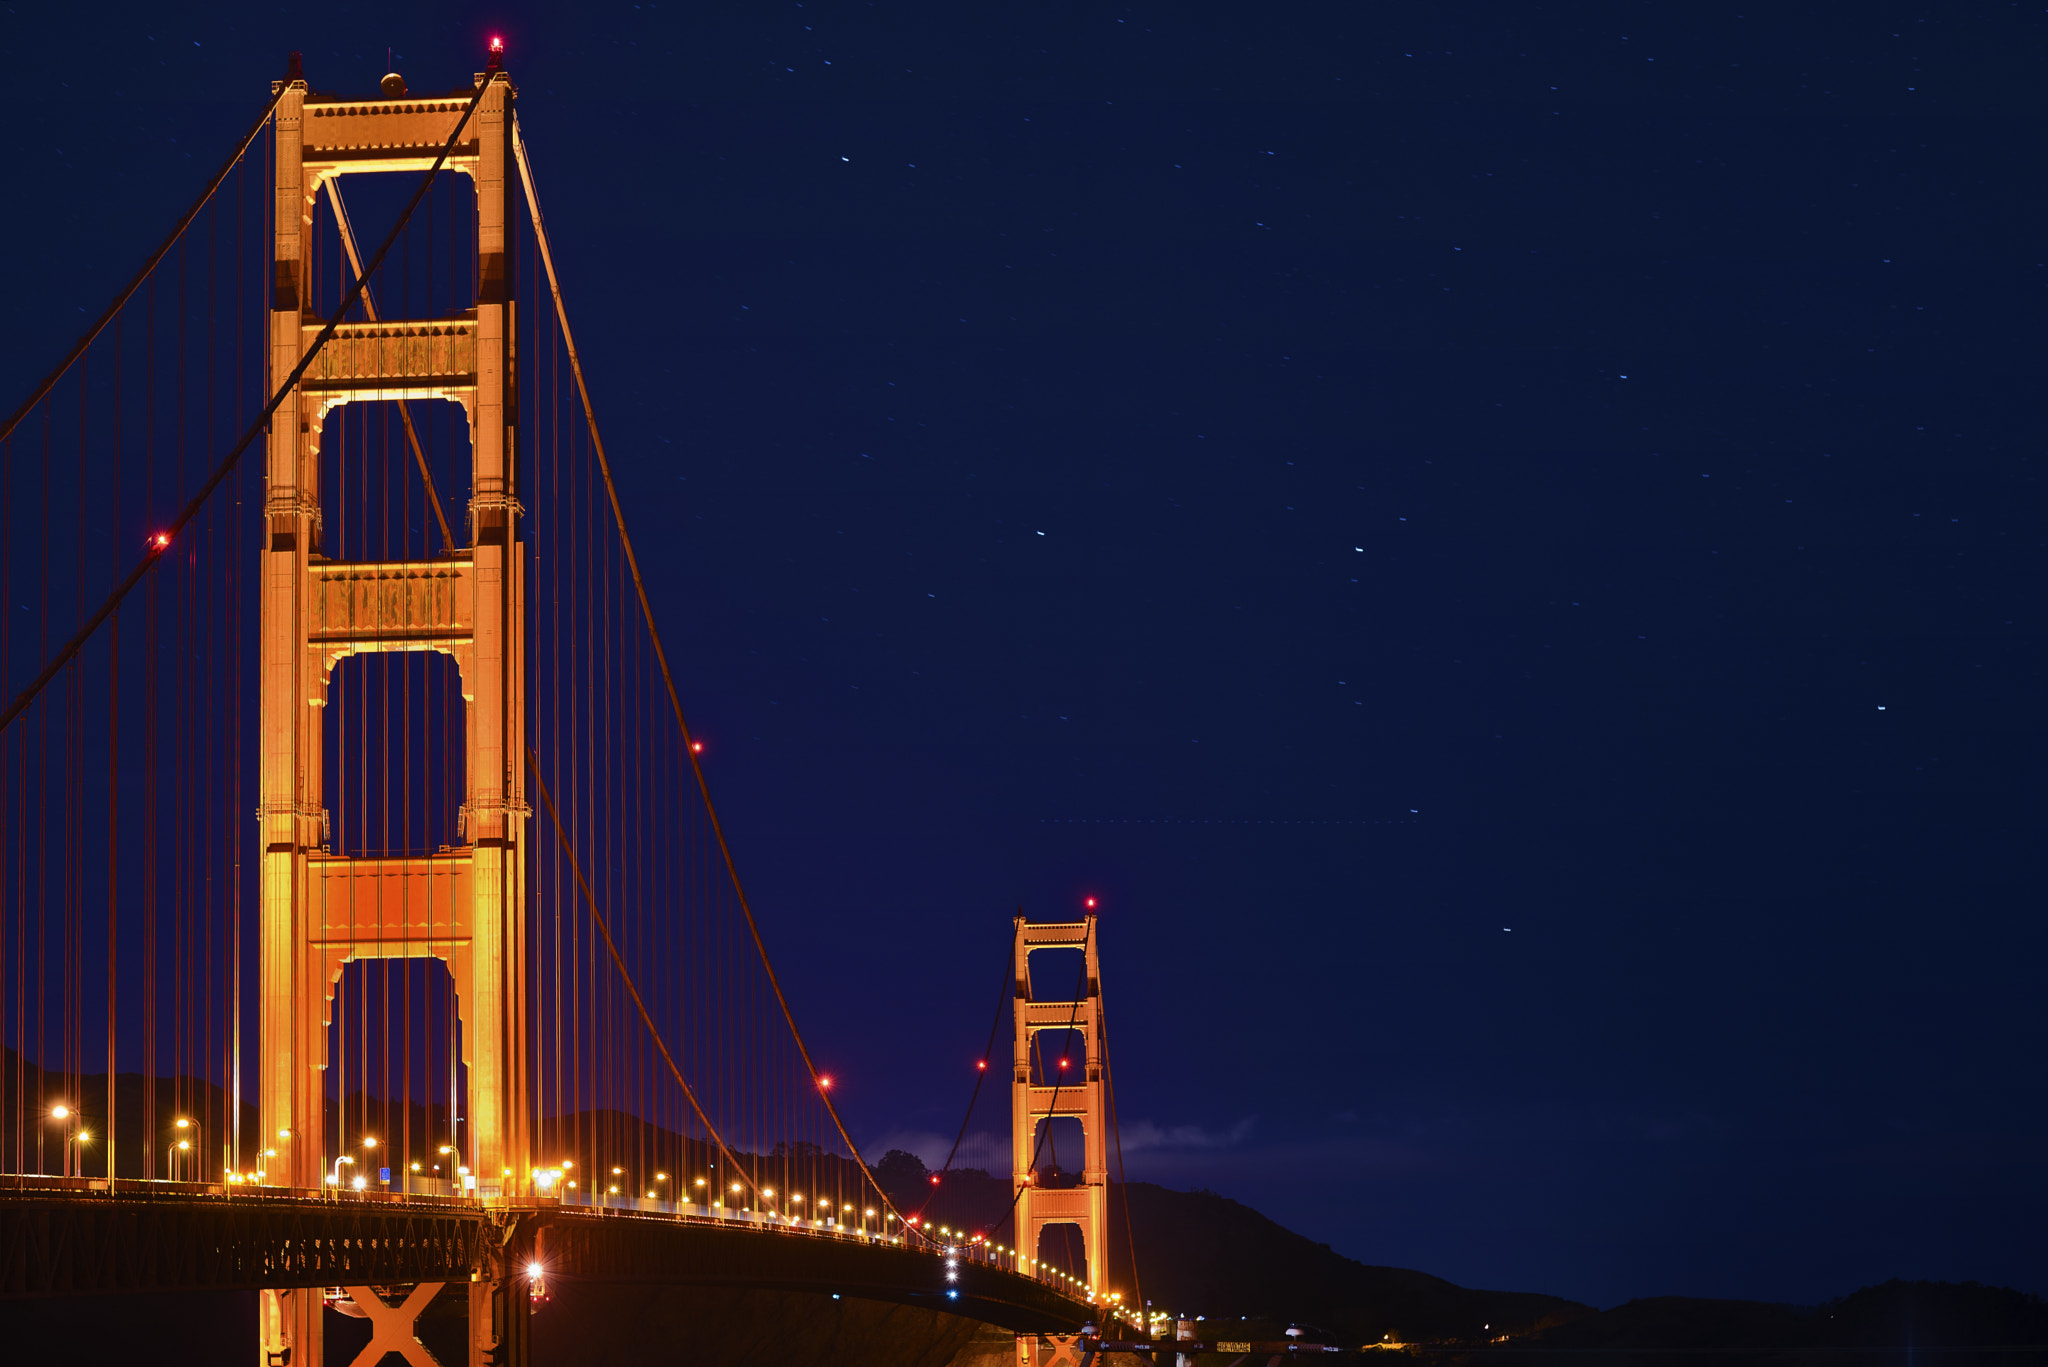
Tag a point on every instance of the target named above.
point(49, 381)
point(113, 822)
point(113, 772)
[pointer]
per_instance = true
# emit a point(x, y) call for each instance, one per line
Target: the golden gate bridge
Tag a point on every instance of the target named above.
point(368, 935)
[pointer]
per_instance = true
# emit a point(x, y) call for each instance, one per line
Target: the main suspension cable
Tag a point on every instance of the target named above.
point(161, 542)
point(1123, 1183)
point(668, 679)
point(980, 1074)
point(619, 962)
point(113, 309)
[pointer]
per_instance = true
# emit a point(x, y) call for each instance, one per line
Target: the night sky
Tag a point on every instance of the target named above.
point(1494, 538)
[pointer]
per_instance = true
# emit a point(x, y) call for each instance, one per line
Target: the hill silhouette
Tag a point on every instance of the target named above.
point(1201, 1253)
point(1205, 1254)
point(1931, 1324)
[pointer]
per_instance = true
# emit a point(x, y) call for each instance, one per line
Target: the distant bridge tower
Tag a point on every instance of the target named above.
point(463, 905)
point(1075, 1093)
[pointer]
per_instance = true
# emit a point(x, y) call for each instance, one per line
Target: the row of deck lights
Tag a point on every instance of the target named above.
point(547, 1178)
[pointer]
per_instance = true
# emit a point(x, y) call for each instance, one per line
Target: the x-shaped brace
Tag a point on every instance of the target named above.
point(1066, 1351)
point(391, 1326)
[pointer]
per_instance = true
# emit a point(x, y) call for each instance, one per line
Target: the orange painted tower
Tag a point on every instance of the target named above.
point(1073, 1093)
point(463, 905)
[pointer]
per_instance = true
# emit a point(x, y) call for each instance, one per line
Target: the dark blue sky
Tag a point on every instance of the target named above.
point(1495, 540)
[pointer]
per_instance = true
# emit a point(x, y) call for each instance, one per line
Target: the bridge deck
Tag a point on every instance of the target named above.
point(78, 1236)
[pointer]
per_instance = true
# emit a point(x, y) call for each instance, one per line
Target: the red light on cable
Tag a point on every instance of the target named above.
point(824, 1081)
point(982, 1065)
point(935, 1179)
point(161, 540)
point(696, 747)
point(1063, 1063)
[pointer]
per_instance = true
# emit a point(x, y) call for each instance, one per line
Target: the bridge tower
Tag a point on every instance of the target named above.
point(1074, 1093)
point(464, 904)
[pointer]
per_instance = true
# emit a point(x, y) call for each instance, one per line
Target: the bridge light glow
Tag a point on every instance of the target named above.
point(696, 747)
point(359, 1183)
point(824, 1082)
point(535, 1270)
point(61, 1111)
point(161, 540)
point(1089, 903)
point(369, 1141)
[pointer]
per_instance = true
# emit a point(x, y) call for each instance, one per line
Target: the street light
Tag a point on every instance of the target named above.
point(334, 1179)
point(73, 1136)
point(188, 1136)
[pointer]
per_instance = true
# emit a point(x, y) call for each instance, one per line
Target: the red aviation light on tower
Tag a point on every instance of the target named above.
point(1088, 902)
point(497, 59)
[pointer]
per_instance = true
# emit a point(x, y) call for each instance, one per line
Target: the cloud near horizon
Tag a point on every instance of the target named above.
point(1144, 1136)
